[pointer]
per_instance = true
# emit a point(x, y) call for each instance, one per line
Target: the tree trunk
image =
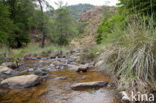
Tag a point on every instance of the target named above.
point(43, 41)
point(43, 25)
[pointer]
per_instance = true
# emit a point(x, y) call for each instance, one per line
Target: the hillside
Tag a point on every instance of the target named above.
point(80, 9)
point(94, 16)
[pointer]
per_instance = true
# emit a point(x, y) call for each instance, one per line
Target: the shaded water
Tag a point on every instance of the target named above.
point(54, 90)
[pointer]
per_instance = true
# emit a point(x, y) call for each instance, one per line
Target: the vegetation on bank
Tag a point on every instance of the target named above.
point(33, 49)
point(128, 43)
point(19, 18)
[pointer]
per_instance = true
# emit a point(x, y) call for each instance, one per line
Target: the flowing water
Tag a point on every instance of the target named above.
point(57, 90)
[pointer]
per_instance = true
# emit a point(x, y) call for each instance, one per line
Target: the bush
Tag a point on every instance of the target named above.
point(104, 32)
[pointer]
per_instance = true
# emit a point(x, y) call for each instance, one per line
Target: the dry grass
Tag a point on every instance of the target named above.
point(33, 49)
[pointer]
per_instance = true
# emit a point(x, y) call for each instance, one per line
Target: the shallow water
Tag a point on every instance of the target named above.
point(55, 90)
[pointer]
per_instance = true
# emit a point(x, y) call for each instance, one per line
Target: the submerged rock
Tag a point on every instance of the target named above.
point(72, 67)
point(61, 78)
point(87, 85)
point(23, 81)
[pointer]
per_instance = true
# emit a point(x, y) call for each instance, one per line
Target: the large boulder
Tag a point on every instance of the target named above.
point(5, 70)
point(87, 85)
point(23, 81)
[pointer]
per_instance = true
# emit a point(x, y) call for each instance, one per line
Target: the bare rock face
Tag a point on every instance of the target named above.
point(23, 81)
point(86, 85)
point(5, 70)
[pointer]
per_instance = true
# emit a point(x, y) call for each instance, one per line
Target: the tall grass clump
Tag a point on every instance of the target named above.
point(132, 56)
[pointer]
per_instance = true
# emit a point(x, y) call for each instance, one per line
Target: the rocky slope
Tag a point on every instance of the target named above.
point(94, 17)
point(80, 9)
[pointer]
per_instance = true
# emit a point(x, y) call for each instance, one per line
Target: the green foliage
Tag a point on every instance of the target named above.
point(105, 30)
point(5, 24)
point(131, 56)
point(138, 8)
point(131, 37)
point(15, 22)
point(64, 25)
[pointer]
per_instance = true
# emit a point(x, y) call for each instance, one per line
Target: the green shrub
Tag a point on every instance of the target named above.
point(105, 30)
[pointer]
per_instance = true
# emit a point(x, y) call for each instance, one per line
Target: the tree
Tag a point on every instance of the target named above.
point(20, 12)
point(145, 8)
point(43, 23)
point(43, 17)
point(64, 24)
point(5, 24)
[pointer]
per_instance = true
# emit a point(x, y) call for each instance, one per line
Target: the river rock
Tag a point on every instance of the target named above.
point(31, 70)
point(23, 81)
point(10, 65)
point(6, 70)
point(100, 65)
point(87, 85)
point(57, 63)
point(40, 72)
point(83, 68)
point(72, 67)
point(61, 78)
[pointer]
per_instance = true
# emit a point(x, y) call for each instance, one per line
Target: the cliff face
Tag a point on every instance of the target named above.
point(94, 17)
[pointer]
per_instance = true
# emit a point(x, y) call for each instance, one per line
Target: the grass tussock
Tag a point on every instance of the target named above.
point(36, 49)
point(132, 56)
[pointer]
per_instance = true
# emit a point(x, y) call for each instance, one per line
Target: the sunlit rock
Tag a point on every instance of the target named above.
point(23, 81)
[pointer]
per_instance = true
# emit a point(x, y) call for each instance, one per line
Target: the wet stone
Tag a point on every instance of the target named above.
point(88, 85)
point(83, 78)
point(61, 78)
point(31, 70)
point(23, 81)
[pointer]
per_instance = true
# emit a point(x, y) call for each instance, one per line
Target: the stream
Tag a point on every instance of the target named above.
point(56, 88)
